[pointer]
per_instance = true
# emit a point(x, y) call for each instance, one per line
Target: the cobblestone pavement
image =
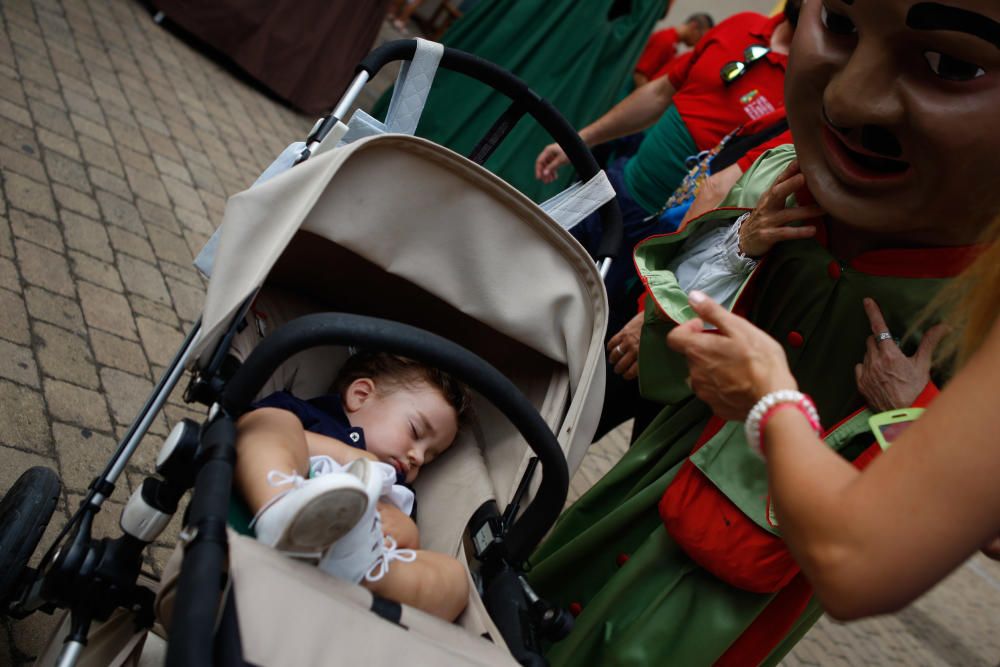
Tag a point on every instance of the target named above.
point(119, 145)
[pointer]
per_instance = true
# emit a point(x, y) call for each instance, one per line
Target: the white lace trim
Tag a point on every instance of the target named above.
point(391, 552)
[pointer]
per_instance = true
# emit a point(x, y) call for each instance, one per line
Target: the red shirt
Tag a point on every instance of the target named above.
point(711, 109)
point(660, 50)
point(761, 125)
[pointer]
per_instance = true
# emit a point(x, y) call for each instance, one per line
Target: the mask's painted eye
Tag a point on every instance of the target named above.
point(836, 23)
point(952, 69)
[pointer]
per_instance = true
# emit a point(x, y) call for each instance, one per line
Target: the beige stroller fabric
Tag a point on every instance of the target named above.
point(397, 227)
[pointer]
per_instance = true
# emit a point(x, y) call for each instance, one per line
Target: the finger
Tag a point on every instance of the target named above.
point(711, 312)
point(773, 236)
point(681, 336)
point(875, 316)
point(628, 358)
point(632, 372)
point(791, 170)
point(787, 216)
point(859, 370)
point(781, 191)
point(932, 338)
point(872, 348)
point(615, 340)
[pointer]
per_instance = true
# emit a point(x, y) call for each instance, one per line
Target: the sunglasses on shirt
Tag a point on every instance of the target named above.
point(733, 70)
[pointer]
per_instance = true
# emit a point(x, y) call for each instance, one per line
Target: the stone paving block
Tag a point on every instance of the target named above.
point(162, 145)
point(131, 244)
point(89, 128)
point(143, 279)
point(78, 85)
point(39, 93)
point(64, 355)
point(6, 236)
point(82, 454)
point(107, 310)
point(15, 112)
point(75, 200)
point(49, 307)
point(101, 155)
point(42, 267)
point(158, 215)
point(170, 247)
point(76, 405)
point(29, 195)
point(196, 240)
point(147, 186)
point(197, 222)
point(11, 91)
point(188, 300)
point(69, 172)
point(23, 162)
point(160, 341)
point(86, 235)
point(51, 117)
point(93, 270)
point(59, 143)
point(183, 195)
point(126, 393)
point(120, 212)
point(153, 310)
point(9, 277)
point(37, 69)
point(132, 158)
point(23, 422)
point(13, 134)
point(36, 230)
point(18, 364)
point(115, 352)
point(185, 274)
point(172, 168)
point(105, 180)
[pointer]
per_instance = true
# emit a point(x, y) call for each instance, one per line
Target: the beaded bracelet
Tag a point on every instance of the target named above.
point(759, 415)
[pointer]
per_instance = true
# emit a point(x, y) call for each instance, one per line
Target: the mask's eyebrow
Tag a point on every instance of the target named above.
point(935, 16)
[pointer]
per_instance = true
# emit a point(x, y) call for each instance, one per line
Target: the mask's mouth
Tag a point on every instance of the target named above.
point(876, 163)
point(859, 165)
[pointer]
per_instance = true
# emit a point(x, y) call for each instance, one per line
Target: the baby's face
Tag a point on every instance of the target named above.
point(406, 427)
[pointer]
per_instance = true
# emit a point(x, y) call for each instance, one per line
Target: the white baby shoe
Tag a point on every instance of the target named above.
point(364, 552)
point(313, 514)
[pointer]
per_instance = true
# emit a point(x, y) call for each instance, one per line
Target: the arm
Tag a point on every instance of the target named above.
point(636, 112)
point(342, 453)
point(869, 542)
point(713, 191)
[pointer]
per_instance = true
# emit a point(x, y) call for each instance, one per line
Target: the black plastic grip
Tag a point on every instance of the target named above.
point(540, 109)
point(384, 335)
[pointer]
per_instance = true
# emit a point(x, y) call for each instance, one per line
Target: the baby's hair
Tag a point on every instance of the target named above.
point(394, 371)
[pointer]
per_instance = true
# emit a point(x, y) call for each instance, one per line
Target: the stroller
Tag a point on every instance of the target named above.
point(454, 268)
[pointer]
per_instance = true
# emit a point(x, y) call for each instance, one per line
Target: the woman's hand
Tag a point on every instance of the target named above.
point(734, 367)
point(887, 378)
point(548, 162)
point(770, 222)
point(623, 349)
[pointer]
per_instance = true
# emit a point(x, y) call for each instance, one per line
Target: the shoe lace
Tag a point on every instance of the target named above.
point(278, 478)
point(391, 552)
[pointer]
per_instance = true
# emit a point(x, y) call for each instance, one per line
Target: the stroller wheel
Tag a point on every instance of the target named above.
point(24, 513)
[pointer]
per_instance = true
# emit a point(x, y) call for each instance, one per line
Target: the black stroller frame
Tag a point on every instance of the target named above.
point(92, 578)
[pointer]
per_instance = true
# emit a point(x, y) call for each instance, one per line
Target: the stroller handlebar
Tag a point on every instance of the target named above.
point(523, 98)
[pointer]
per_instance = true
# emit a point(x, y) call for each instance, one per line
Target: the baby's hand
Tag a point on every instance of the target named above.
point(399, 526)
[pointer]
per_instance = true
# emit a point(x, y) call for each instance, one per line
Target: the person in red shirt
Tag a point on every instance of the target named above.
point(661, 49)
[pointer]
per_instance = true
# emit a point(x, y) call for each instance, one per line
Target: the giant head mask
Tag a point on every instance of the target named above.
point(895, 108)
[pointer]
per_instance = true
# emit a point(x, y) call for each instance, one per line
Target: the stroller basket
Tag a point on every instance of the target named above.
point(554, 339)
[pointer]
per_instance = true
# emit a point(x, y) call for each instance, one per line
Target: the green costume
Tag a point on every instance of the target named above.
point(642, 599)
point(574, 54)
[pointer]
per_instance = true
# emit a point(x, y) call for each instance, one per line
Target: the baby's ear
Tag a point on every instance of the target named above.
point(358, 393)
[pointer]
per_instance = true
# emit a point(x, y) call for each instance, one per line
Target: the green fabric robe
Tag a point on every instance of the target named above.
point(644, 601)
point(569, 52)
